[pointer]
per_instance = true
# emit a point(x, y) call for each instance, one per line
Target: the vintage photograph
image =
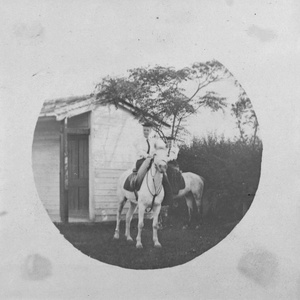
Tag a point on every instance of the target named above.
point(152, 168)
point(150, 149)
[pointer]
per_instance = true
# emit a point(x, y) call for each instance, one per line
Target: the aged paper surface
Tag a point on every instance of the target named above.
point(51, 49)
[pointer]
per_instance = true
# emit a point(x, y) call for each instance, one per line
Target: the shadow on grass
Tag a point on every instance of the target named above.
point(178, 246)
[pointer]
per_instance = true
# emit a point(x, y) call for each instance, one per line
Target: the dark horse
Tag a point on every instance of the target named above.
point(193, 191)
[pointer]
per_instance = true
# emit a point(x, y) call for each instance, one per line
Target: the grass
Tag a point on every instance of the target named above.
point(178, 246)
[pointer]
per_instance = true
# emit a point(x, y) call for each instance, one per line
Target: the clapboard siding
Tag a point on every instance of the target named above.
point(108, 173)
point(106, 186)
point(107, 205)
point(113, 133)
point(101, 192)
point(111, 152)
point(107, 179)
point(45, 163)
point(105, 200)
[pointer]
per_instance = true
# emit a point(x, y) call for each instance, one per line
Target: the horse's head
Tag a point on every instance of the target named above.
point(160, 160)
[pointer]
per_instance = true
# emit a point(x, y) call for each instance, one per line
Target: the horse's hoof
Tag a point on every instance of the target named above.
point(185, 227)
point(116, 237)
point(139, 246)
point(157, 245)
point(130, 240)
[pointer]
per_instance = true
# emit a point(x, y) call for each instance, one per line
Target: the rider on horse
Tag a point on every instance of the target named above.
point(145, 148)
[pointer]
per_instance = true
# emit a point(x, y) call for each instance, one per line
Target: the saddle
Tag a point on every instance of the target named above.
point(130, 182)
point(134, 181)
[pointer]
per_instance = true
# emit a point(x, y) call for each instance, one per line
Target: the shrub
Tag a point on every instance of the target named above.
point(231, 170)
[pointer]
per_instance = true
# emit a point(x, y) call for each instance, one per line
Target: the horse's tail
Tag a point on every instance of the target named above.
point(204, 183)
point(203, 187)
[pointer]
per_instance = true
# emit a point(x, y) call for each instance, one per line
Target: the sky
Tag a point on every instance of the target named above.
point(220, 123)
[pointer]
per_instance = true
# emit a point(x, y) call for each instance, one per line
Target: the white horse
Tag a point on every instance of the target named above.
point(193, 191)
point(150, 196)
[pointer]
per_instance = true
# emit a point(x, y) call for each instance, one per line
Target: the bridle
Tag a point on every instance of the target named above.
point(158, 189)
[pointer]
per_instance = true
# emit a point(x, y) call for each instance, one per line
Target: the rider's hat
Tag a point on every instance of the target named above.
point(147, 124)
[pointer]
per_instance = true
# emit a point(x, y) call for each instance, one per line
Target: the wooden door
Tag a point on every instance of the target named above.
point(78, 169)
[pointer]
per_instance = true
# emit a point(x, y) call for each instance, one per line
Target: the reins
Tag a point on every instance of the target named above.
point(157, 192)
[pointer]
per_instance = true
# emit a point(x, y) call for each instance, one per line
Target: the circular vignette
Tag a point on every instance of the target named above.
point(88, 145)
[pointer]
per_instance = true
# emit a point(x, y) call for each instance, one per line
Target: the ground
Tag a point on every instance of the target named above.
point(178, 245)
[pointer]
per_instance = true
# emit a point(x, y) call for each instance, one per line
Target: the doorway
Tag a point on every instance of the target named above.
point(78, 170)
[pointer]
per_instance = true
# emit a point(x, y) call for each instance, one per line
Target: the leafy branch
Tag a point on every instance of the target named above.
point(160, 92)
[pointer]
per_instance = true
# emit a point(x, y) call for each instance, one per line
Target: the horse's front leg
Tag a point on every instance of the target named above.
point(156, 211)
point(119, 212)
point(129, 215)
point(140, 225)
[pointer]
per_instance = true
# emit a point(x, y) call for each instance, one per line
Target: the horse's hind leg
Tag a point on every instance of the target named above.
point(119, 212)
point(198, 195)
point(129, 215)
point(198, 200)
point(189, 203)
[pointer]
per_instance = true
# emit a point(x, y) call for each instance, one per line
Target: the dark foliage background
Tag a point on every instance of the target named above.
point(231, 170)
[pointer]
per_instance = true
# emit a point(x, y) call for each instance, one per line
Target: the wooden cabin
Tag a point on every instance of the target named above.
point(80, 149)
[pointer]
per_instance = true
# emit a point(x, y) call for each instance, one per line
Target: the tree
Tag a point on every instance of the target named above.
point(166, 94)
point(245, 116)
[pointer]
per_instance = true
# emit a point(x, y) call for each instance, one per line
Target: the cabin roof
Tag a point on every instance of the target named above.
point(75, 105)
point(67, 107)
